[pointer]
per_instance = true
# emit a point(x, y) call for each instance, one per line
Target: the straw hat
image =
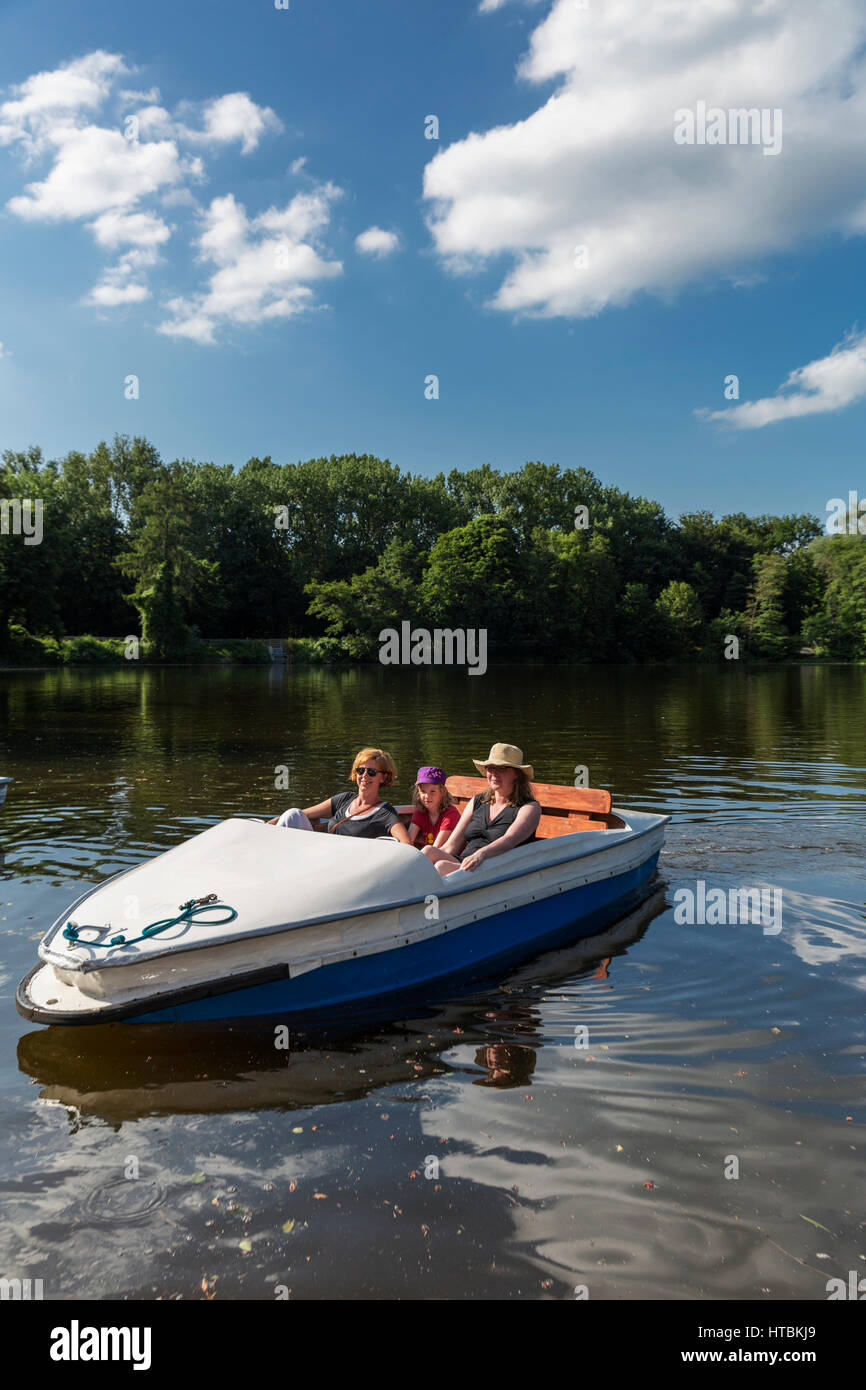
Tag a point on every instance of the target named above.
point(505, 755)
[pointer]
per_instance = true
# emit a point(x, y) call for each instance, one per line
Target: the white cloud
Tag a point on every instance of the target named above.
point(596, 164)
point(48, 99)
point(108, 295)
point(487, 6)
point(152, 95)
point(265, 267)
point(297, 164)
point(828, 383)
point(231, 119)
point(377, 242)
point(95, 170)
point(130, 229)
point(236, 117)
point(103, 167)
point(3, 353)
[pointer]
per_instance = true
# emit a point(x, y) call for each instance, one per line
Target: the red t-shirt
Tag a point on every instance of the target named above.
point(427, 833)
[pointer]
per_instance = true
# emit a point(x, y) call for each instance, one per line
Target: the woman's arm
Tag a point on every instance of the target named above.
point(413, 831)
point(311, 812)
point(525, 821)
point(398, 830)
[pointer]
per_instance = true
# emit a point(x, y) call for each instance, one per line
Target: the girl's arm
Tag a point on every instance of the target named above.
point(412, 832)
point(446, 831)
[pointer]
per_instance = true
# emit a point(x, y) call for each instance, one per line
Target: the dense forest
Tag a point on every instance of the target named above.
point(326, 553)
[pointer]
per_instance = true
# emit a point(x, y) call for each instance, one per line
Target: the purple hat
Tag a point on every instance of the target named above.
point(431, 774)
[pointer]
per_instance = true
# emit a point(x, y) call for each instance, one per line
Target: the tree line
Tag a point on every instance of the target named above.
point(552, 562)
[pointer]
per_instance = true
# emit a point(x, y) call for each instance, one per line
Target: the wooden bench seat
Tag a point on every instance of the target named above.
point(564, 810)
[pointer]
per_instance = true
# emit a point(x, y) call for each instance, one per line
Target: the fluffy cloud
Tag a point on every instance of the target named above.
point(590, 200)
point(265, 267)
point(103, 174)
point(236, 118)
point(376, 242)
point(95, 170)
point(232, 119)
point(47, 100)
point(828, 383)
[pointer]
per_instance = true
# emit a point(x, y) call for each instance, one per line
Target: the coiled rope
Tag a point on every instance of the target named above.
point(189, 912)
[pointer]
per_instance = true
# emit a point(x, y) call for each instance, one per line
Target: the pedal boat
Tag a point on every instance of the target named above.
point(325, 924)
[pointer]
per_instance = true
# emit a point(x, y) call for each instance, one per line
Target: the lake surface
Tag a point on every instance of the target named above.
point(473, 1149)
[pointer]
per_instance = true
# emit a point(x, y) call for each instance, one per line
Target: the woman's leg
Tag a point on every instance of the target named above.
point(293, 819)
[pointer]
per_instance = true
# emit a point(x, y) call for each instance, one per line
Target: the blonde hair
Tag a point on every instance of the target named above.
point(445, 800)
point(383, 761)
point(521, 792)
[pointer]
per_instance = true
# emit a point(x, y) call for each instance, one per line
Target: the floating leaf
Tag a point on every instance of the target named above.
point(197, 1177)
point(814, 1223)
point(245, 1245)
point(288, 1227)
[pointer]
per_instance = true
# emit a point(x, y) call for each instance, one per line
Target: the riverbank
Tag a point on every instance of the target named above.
point(27, 652)
point(40, 653)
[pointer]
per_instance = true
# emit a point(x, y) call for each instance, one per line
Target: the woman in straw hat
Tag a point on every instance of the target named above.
point(494, 821)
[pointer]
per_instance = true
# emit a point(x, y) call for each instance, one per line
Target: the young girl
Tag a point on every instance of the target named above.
point(435, 815)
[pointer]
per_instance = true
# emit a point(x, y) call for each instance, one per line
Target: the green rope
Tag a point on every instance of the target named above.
point(188, 912)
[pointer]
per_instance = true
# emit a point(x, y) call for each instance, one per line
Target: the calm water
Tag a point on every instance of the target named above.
point(706, 1043)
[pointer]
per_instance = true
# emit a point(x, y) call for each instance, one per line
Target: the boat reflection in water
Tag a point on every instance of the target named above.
point(164, 1069)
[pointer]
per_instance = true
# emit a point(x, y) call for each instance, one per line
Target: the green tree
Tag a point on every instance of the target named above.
point(768, 635)
point(839, 625)
point(682, 619)
point(162, 558)
point(481, 576)
point(32, 571)
point(384, 595)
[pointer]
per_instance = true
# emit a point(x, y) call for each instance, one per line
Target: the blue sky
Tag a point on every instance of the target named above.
point(215, 257)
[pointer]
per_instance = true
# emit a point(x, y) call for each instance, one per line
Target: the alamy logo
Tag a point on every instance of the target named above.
point(741, 125)
point(855, 1288)
point(850, 519)
point(26, 517)
point(20, 1288)
point(76, 1343)
point(445, 646)
point(739, 905)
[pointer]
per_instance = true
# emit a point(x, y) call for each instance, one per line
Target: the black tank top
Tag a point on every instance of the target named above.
point(480, 832)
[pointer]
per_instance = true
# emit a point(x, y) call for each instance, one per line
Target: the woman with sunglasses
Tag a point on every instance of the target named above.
point(363, 814)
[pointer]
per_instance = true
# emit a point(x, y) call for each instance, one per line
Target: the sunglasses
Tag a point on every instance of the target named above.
point(369, 772)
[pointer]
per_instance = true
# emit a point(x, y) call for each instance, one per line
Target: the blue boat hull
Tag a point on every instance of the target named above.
point(473, 951)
